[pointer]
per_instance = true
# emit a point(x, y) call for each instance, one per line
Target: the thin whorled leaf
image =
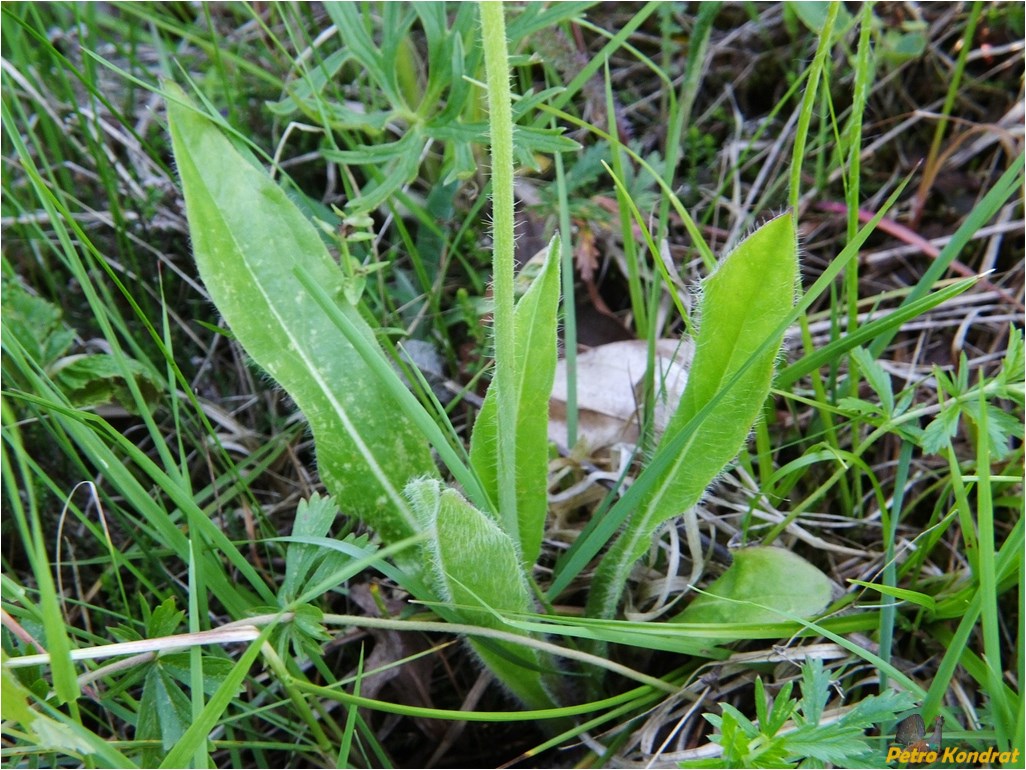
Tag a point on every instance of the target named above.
point(249, 239)
point(744, 303)
point(476, 567)
point(535, 323)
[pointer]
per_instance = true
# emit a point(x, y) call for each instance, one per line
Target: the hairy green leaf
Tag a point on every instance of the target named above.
point(249, 240)
point(744, 303)
point(535, 366)
point(475, 566)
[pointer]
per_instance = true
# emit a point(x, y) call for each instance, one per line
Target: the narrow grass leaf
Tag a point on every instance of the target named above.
point(915, 597)
point(1007, 185)
point(871, 332)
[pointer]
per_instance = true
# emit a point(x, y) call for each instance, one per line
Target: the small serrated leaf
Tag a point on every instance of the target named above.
point(943, 428)
point(877, 378)
point(165, 620)
point(1001, 426)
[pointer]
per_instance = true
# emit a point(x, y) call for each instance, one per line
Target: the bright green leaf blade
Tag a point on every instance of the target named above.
point(535, 323)
point(249, 239)
point(915, 597)
point(761, 584)
point(745, 301)
point(477, 569)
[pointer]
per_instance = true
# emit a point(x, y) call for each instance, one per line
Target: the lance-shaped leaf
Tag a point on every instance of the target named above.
point(535, 363)
point(475, 566)
point(745, 303)
point(249, 240)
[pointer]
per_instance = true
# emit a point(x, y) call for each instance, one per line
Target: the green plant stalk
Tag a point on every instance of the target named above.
point(808, 105)
point(288, 683)
point(345, 746)
point(569, 303)
point(500, 119)
point(680, 108)
point(630, 248)
point(817, 72)
point(640, 699)
point(863, 75)
point(949, 101)
point(535, 324)
point(196, 589)
point(889, 521)
point(986, 576)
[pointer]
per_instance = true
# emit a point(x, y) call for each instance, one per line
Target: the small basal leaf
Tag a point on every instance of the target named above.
point(762, 585)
